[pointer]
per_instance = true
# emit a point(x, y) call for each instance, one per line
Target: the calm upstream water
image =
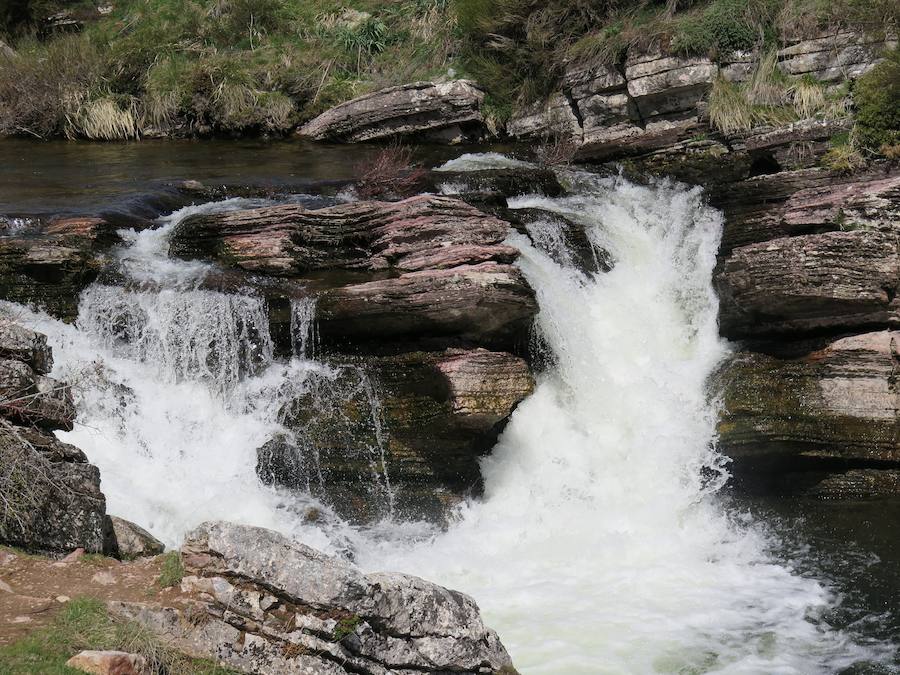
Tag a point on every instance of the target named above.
point(607, 540)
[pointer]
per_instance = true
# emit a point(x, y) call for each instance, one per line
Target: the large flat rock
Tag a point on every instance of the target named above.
point(449, 111)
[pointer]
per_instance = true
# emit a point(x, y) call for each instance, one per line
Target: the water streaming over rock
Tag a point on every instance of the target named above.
point(600, 545)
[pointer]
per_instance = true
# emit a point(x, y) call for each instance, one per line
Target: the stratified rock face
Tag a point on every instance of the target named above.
point(652, 107)
point(449, 272)
point(810, 283)
point(51, 497)
point(490, 303)
point(132, 541)
point(833, 58)
point(435, 414)
point(51, 265)
point(448, 112)
point(840, 402)
point(807, 201)
point(270, 606)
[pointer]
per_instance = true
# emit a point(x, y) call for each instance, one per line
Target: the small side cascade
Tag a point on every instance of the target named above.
point(203, 335)
point(304, 331)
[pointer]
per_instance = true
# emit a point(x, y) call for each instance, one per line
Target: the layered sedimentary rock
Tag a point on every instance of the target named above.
point(446, 111)
point(810, 283)
point(651, 107)
point(267, 605)
point(839, 402)
point(51, 497)
point(49, 264)
point(434, 266)
point(835, 57)
point(808, 201)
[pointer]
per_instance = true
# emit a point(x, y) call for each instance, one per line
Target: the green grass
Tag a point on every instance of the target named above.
point(232, 67)
point(218, 66)
point(172, 571)
point(84, 623)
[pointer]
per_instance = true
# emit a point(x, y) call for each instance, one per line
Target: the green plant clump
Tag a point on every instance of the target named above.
point(172, 571)
point(84, 623)
point(877, 99)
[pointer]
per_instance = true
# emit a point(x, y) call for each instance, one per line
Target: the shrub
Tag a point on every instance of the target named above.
point(729, 110)
point(724, 26)
point(172, 571)
point(390, 173)
point(109, 118)
point(876, 95)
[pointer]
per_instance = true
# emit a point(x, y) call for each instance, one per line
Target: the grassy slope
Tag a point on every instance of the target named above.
point(264, 66)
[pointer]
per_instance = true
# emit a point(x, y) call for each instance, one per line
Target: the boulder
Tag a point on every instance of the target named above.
point(661, 85)
point(445, 111)
point(51, 495)
point(131, 541)
point(804, 284)
point(271, 606)
point(51, 264)
point(435, 415)
point(109, 663)
point(838, 403)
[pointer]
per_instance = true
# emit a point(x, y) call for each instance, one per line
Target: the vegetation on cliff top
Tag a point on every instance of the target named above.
point(264, 66)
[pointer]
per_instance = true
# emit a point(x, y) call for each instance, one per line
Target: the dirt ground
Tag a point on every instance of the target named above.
point(33, 588)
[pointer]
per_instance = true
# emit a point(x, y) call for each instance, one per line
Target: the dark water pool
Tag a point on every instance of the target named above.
point(70, 177)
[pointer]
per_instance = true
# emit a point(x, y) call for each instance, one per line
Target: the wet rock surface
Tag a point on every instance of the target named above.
point(50, 264)
point(270, 606)
point(832, 409)
point(51, 498)
point(436, 413)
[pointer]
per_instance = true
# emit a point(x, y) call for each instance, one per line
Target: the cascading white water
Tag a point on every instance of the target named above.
point(599, 546)
point(177, 387)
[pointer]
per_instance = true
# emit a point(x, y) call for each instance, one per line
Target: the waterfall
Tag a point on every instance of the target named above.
point(601, 544)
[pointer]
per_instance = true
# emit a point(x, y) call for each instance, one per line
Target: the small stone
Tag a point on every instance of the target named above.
point(103, 578)
point(63, 599)
point(5, 587)
point(75, 555)
point(109, 663)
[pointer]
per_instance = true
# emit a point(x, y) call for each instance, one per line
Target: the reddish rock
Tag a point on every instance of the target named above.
point(488, 303)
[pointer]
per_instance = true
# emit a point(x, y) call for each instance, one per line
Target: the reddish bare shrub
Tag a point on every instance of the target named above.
point(390, 174)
